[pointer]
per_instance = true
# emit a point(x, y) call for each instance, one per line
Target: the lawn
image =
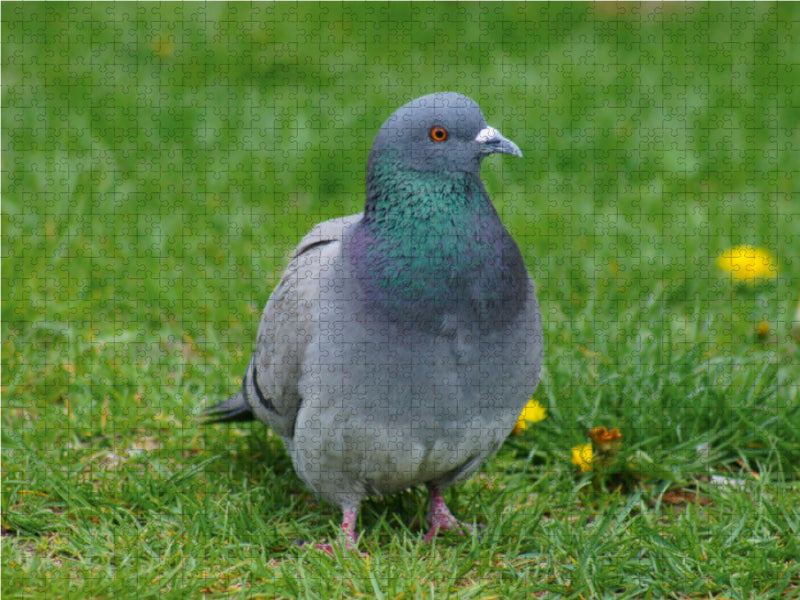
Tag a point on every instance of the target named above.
point(160, 162)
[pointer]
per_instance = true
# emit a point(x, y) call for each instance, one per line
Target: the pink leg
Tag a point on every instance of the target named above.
point(440, 517)
point(348, 531)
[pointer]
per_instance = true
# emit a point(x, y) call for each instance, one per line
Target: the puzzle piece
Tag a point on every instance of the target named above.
point(162, 161)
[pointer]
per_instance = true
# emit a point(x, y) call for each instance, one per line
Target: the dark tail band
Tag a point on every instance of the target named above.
point(231, 410)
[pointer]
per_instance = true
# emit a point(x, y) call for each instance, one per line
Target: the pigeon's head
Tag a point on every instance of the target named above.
point(439, 132)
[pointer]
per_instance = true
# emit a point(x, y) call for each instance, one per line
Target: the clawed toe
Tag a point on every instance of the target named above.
point(456, 526)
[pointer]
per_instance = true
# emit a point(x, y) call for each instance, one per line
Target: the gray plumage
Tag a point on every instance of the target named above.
point(401, 343)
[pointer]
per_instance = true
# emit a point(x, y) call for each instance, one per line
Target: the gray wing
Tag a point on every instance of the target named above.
point(288, 323)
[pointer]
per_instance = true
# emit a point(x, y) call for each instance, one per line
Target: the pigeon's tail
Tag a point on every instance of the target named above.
point(233, 409)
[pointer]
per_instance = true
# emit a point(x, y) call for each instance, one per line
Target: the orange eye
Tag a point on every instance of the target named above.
point(438, 134)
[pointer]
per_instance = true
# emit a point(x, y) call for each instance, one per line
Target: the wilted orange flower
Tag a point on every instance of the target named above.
point(607, 441)
point(748, 264)
point(532, 413)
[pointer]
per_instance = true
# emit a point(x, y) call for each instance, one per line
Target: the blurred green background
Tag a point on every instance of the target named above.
point(160, 161)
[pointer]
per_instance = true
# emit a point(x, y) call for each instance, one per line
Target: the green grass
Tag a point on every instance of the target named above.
point(160, 161)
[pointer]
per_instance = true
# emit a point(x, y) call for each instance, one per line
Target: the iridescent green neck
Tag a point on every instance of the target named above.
point(423, 223)
point(431, 242)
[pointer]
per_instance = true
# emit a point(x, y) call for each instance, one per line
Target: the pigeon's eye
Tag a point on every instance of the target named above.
point(438, 134)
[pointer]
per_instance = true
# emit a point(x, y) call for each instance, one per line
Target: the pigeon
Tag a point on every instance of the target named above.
point(402, 343)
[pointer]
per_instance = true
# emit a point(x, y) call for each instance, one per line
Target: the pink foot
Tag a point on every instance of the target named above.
point(348, 532)
point(441, 519)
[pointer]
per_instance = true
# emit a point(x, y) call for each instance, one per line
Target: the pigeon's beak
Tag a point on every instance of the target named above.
point(491, 141)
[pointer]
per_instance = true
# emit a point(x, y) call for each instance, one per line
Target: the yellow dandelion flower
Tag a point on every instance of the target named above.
point(164, 46)
point(532, 413)
point(582, 457)
point(748, 264)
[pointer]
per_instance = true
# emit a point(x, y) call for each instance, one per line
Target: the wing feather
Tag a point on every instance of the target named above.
point(288, 325)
